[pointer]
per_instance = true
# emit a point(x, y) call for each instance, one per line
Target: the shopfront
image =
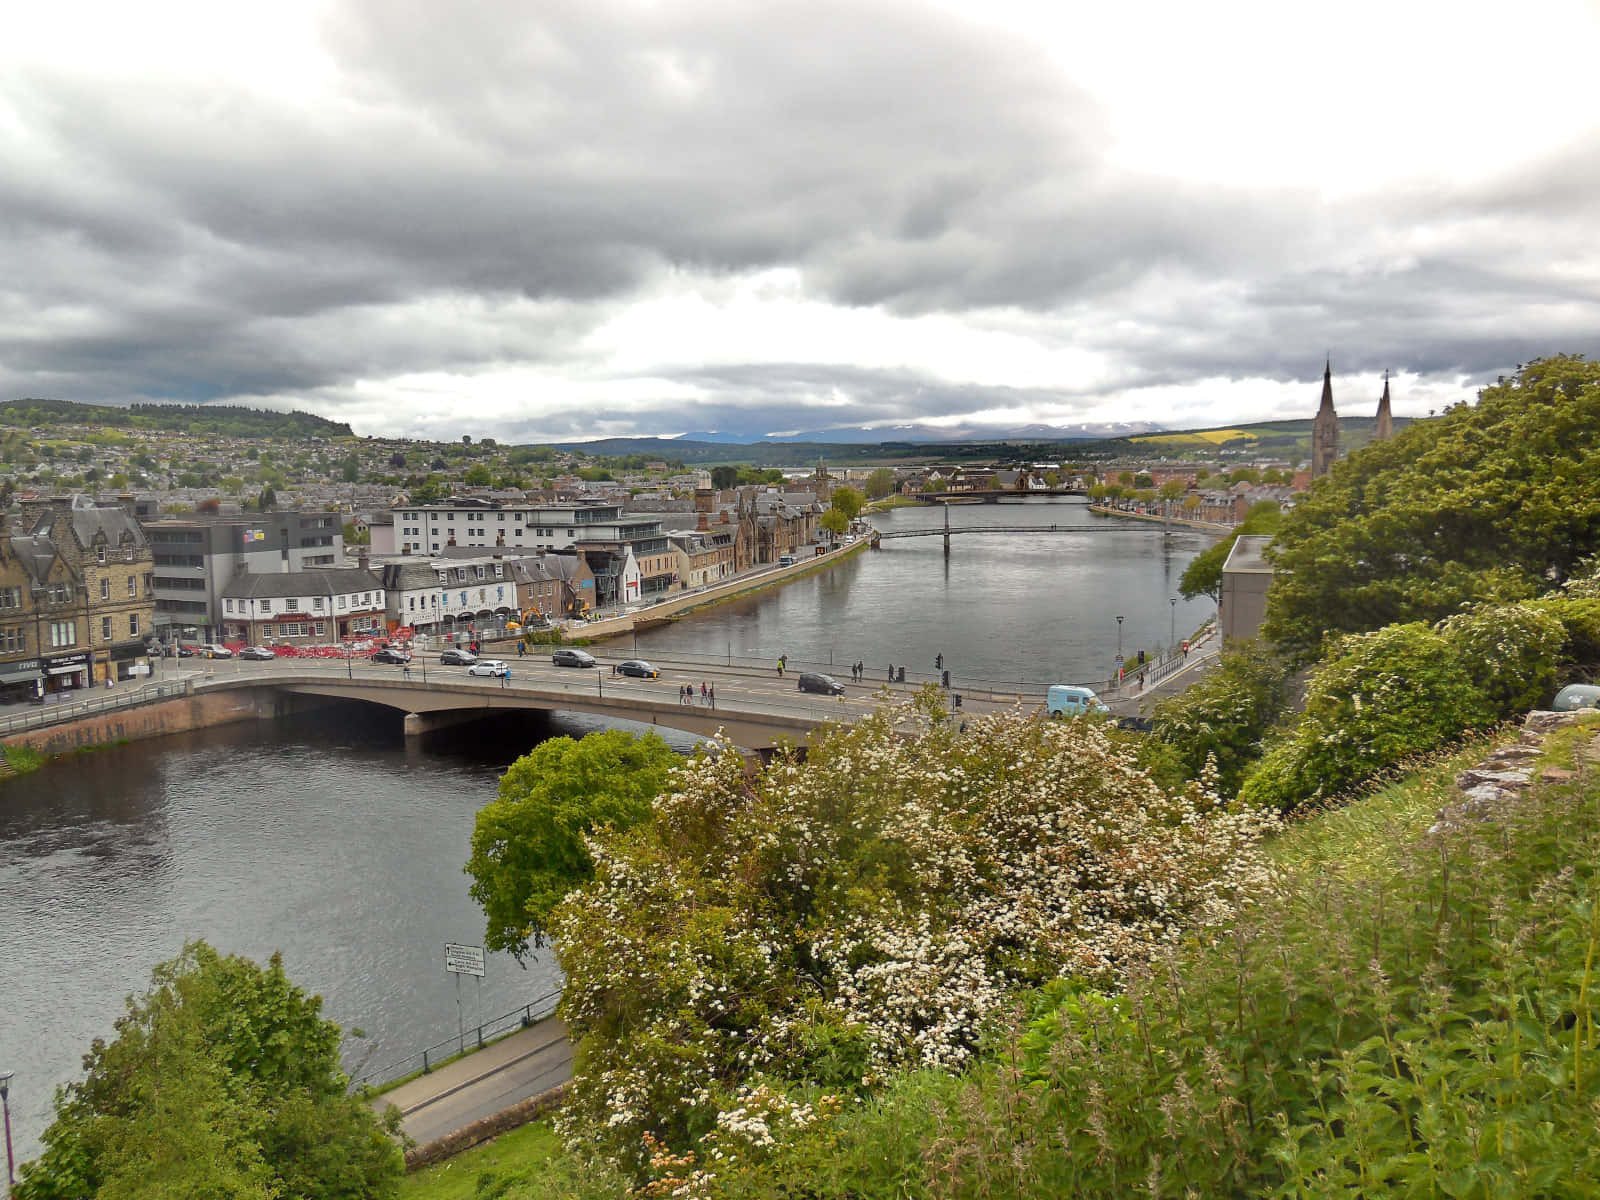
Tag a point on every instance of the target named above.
point(67, 673)
point(130, 660)
point(20, 681)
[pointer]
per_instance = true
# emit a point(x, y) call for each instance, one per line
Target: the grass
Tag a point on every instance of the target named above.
point(23, 759)
point(486, 1170)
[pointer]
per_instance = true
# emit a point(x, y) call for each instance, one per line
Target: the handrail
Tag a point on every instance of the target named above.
point(58, 713)
point(428, 1057)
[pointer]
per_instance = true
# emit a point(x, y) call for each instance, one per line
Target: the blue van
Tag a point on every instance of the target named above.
point(1064, 700)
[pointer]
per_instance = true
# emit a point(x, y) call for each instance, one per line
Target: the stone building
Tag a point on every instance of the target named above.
point(1384, 428)
point(1325, 429)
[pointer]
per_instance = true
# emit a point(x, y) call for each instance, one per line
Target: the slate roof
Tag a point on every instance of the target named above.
point(314, 581)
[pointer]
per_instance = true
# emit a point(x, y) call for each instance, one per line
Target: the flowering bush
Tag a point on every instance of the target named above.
point(1224, 716)
point(1379, 698)
point(828, 921)
point(1509, 650)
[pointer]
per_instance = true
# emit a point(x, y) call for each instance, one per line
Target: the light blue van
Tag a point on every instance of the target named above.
point(1064, 700)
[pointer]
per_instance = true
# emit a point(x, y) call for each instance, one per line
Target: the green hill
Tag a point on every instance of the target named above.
point(227, 420)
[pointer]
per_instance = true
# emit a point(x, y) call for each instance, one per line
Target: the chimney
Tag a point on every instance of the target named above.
point(704, 500)
point(725, 520)
point(701, 523)
point(363, 561)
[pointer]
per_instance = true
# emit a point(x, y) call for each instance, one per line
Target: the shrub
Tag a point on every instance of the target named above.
point(1509, 651)
point(868, 909)
point(1382, 697)
point(1223, 717)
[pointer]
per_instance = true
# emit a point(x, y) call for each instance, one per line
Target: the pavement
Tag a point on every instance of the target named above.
point(451, 1097)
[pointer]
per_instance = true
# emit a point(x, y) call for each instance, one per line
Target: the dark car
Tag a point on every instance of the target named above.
point(452, 657)
point(572, 658)
point(824, 685)
point(637, 668)
point(257, 654)
point(390, 655)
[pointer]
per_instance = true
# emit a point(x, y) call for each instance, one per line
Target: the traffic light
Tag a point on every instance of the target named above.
point(947, 679)
point(938, 661)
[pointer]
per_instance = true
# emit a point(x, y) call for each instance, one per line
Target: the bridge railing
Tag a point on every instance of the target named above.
point(56, 712)
point(475, 1037)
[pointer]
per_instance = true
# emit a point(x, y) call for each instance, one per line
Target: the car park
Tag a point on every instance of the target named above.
point(492, 667)
point(213, 650)
point(389, 654)
point(453, 656)
point(637, 668)
point(566, 657)
point(825, 685)
point(257, 654)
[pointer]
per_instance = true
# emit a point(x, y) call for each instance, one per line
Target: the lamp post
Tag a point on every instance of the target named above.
point(1119, 637)
point(5, 1103)
point(1172, 628)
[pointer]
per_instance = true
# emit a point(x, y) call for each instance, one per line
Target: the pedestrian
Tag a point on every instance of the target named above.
point(522, 648)
point(702, 690)
point(1141, 681)
point(613, 668)
point(405, 671)
point(712, 697)
point(1186, 647)
point(891, 672)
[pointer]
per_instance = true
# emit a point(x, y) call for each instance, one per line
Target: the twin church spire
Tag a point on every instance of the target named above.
point(1325, 429)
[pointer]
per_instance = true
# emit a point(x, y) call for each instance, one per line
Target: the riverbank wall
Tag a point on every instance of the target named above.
point(744, 585)
point(1207, 526)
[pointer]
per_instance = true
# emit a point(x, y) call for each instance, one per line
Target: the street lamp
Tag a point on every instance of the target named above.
point(1172, 629)
point(1119, 637)
point(5, 1103)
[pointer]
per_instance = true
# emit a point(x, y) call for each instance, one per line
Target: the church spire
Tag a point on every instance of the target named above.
point(1325, 429)
point(1385, 424)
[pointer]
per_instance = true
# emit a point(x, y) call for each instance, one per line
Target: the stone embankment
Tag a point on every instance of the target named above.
point(1502, 777)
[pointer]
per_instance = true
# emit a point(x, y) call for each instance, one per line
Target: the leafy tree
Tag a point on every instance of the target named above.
point(268, 500)
point(1493, 502)
point(1244, 475)
point(724, 477)
point(1125, 478)
point(528, 846)
point(223, 1080)
point(1224, 717)
point(478, 476)
point(880, 483)
point(834, 522)
point(356, 537)
point(351, 471)
point(1143, 480)
point(848, 501)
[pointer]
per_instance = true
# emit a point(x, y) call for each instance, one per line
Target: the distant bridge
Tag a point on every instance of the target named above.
point(995, 495)
point(938, 531)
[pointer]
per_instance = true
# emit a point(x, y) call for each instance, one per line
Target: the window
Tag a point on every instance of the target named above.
point(480, 572)
point(266, 606)
point(341, 603)
point(105, 589)
point(10, 597)
point(105, 629)
point(133, 624)
point(13, 640)
point(227, 606)
point(133, 586)
point(100, 554)
point(63, 633)
point(317, 604)
point(292, 605)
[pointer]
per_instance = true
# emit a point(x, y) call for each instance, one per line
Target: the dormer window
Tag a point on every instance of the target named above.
point(100, 554)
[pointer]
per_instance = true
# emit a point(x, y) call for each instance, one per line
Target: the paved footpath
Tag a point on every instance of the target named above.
point(529, 1062)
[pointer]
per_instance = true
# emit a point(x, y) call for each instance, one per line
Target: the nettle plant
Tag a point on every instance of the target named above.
point(816, 925)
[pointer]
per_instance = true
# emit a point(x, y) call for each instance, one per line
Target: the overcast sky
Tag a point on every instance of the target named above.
point(575, 218)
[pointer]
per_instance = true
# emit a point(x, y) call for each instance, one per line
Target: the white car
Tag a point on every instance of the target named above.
point(213, 650)
point(489, 666)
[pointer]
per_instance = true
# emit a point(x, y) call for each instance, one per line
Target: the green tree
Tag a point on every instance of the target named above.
point(848, 501)
point(268, 500)
point(478, 475)
point(723, 478)
point(880, 483)
point(222, 1080)
point(351, 471)
point(1492, 502)
point(834, 522)
point(1203, 575)
point(528, 846)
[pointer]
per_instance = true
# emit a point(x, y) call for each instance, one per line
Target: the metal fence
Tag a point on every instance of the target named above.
point(58, 712)
point(477, 1037)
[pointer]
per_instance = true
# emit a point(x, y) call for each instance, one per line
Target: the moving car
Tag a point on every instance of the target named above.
point(390, 655)
point(492, 667)
point(452, 657)
point(572, 658)
point(257, 654)
point(1065, 700)
point(825, 685)
point(213, 650)
point(637, 668)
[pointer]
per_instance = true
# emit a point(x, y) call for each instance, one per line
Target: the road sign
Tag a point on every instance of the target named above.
point(463, 960)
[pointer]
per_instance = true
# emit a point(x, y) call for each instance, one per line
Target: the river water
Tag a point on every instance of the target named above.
point(332, 840)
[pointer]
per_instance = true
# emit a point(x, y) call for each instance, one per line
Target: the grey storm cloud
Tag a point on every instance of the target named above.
point(489, 189)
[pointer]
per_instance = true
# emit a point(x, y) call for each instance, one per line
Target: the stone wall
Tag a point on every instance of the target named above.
point(178, 715)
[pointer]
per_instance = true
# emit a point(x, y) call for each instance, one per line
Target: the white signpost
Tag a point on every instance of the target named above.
point(464, 960)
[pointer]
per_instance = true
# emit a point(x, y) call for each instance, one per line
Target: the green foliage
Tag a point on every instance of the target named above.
point(1379, 698)
point(528, 846)
point(848, 501)
point(723, 478)
point(880, 483)
point(479, 475)
point(1499, 501)
point(834, 522)
point(593, 474)
point(870, 908)
point(1203, 575)
point(1510, 653)
point(181, 418)
point(1580, 624)
point(223, 1080)
point(1223, 717)
point(22, 760)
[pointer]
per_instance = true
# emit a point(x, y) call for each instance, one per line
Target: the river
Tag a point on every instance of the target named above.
point(332, 840)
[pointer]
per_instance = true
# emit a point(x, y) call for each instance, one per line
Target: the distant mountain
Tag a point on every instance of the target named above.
point(859, 435)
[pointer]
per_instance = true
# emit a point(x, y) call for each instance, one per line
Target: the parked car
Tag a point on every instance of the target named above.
point(572, 658)
point(637, 668)
point(1065, 700)
point(213, 650)
point(453, 657)
point(257, 654)
point(492, 667)
point(390, 655)
point(825, 685)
